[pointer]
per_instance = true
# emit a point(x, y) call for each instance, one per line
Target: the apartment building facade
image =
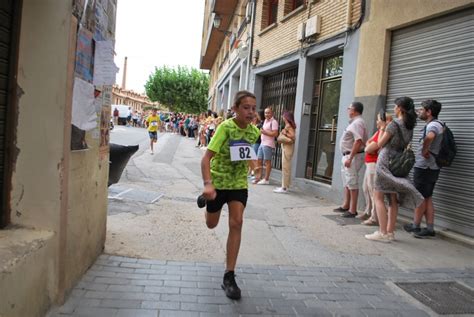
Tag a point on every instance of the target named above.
point(315, 57)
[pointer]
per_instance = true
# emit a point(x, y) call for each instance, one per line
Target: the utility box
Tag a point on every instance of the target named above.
point(313, 26)
point(300, 32)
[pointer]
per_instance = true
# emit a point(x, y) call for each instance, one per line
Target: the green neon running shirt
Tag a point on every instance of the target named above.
point(225, 173)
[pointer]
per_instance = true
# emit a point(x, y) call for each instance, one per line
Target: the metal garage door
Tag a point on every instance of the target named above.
point(435, 59)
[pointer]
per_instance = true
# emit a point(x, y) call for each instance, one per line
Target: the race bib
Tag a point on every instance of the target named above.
point(241, 150)
point(154, 123)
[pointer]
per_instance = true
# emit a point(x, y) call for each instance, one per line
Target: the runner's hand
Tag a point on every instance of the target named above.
point(209, 192)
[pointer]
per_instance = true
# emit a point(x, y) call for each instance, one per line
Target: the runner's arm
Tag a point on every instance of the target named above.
point(209, 191)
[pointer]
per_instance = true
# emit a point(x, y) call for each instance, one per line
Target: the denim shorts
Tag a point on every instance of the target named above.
point(265, 153)
point(225, 196)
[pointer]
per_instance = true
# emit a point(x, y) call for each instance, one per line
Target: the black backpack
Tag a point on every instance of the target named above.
point(448, 148)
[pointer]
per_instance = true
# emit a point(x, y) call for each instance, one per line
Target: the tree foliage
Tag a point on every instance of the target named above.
point(180, 89)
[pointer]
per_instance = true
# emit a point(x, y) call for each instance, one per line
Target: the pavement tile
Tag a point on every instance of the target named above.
point(177, 313)
point(240, 308)
point(216, 299)
point(180, 284)
point(197, 291)
point(120, 303)
point(164, 277)
point(123, 259)
point(147, 282)
point(135, 265)
point(161, 289)
point(179, 298)
point(112, 280)
point(95, 312)
point(137, 313)
point(125, 288)
point(160, 305)
point(133, 276)
point(149, 261)
point(209, 308)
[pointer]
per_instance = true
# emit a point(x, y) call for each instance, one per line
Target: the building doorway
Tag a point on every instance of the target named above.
point(323, 121)
point(279, 92)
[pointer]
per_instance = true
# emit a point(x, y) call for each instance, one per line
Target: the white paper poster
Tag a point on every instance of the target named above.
point(84, 115)
point(104, 66)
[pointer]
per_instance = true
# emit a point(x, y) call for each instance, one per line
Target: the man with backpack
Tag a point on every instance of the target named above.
point(426, 169)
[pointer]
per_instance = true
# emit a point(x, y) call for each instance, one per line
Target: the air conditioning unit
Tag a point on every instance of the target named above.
point(313, 26)
point(300, 32)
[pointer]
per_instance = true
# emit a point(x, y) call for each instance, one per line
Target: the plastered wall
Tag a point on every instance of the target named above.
point(383, 17)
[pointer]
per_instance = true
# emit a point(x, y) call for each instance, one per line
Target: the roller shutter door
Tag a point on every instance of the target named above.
point(435, 59)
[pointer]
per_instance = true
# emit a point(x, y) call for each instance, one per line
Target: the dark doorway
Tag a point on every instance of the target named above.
point(323, 123)
point(279, 92)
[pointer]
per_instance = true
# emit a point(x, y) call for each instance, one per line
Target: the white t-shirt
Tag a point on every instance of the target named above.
point(356, 130)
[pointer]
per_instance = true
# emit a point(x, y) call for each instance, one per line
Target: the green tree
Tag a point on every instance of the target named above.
point(180, 89)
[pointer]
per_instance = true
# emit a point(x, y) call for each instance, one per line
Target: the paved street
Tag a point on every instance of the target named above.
point(297, 257)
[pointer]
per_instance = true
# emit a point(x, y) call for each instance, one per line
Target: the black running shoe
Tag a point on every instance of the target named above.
point(201, 201)
point(230, 286)
point(410, 228)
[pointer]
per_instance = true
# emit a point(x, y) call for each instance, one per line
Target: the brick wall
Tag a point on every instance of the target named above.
point(281, 39)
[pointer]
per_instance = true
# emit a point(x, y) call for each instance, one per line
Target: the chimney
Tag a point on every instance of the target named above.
point(124, 78)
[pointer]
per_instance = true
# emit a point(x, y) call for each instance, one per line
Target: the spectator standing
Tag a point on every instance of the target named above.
point(129, 116)
point(269, 132)
point(116, 116)
point(393, 138)
point(371, 155)
point(287, 152)
point(426, 170)
point(351, 145)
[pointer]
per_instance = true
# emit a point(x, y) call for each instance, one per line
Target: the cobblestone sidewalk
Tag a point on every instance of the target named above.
point(120, 286)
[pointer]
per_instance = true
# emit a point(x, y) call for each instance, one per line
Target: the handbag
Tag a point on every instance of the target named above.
point(402, 162)
point(284, 139)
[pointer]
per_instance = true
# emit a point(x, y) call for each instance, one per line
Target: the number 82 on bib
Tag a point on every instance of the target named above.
point(241, 150)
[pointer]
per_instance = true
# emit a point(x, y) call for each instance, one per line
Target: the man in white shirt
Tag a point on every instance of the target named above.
point(269, 132)
point(352, 147)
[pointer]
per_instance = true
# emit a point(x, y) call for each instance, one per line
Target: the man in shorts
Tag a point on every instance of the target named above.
point(426, 170)
point(268, 132)
point(352, 147)
point(153, 123)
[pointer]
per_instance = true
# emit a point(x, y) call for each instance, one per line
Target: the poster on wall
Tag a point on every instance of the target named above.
point(105, 69)
point(105, 117)
point(84, 115)
point(104, 132)
point(84, 55)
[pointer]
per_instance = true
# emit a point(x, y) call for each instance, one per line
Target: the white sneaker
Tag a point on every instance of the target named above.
point(391, 236)
point(263, 182)
point(378, 236)
point(151, 152)
point(280, 190)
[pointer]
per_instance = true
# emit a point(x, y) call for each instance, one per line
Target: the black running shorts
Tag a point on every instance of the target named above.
point(225, 196)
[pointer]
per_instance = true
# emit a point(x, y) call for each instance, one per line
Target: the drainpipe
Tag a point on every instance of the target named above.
point(249, 57)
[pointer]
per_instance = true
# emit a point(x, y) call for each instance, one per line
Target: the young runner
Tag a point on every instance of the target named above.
point(153, 123)
point(224, 174)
